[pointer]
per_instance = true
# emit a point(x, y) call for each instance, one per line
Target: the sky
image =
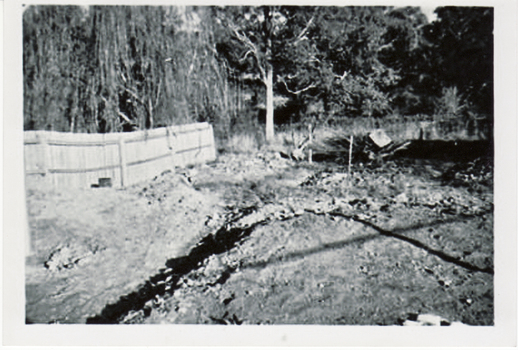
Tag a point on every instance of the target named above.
point(428, 11)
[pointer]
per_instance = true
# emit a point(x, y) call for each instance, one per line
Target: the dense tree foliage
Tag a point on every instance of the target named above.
point(461, 53)
point(365, 52)
point(269, 42)
point(115, 68)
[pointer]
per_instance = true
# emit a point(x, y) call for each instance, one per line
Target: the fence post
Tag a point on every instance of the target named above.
point(351, 141)
point(122, 162)
point(170, 144)
point(44, 144)
point(45, 149)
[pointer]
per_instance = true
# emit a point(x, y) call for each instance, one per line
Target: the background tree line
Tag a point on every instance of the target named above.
point(119, 68)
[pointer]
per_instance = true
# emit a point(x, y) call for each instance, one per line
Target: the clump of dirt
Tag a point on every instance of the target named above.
point(68, 256)
point(265, 240)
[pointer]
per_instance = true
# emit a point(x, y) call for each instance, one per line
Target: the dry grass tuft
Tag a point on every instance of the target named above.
point(243, 143)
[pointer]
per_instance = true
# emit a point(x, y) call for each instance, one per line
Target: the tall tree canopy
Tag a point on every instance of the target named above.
point(265, 41)
point(114, 68)
point(364, 51)
point(350, 58)
point(461, 53)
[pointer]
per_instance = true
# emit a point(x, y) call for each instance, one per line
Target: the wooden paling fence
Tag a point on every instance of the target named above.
point(119, 159)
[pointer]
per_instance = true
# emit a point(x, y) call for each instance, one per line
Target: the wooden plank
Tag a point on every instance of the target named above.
point(78, 160)
point(82, 170)
point(46, 156)
point(34, 172)
point(149, 159)
point(93, 143)
point(123, 164)
point(193, 148)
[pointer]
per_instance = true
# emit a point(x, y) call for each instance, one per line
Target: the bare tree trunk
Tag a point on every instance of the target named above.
point(150, 112)
point(270, 134)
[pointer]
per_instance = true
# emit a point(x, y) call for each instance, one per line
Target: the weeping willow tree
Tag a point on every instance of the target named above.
point(48, 64)
point(119, 68)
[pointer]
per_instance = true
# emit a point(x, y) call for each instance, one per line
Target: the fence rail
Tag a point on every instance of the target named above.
point(80, 160)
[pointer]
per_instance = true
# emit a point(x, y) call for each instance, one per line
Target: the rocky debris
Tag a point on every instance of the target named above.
point(263, 162)
point(209, 280)
point(158, 189)
point(373, 147)
point(399, 192)
point(428, 320)
point(401, 198)
point(69, 255)
point(298, 154)
point(384, 191)
point(270, 212)
point(227, 319)
point(325, 178)
point(473, 175)
point(182, 271)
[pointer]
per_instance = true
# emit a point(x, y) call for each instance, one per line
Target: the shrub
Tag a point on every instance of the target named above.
point(242, 143)
point(451, 104)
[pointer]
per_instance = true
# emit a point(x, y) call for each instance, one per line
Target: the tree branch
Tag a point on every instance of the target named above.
point(243, 59)
point(148, 106)
point(158, 92)
point(302, 34)
point(135, 96)
point(243, 38)
point(191, 67)
point(341, 77)
point(386, 46)
point(125, 117)
point(281, 79)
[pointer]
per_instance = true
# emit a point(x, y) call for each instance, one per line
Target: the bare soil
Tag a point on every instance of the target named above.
point(258, 239)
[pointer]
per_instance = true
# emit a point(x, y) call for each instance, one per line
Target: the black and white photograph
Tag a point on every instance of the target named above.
point(262, 165)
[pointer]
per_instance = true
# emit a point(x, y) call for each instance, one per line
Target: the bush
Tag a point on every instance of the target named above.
point(451, 104)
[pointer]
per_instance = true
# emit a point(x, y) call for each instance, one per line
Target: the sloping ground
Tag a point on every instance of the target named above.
point(403, 246)
point(342, 273)
point(93, 246)
point(283, 243)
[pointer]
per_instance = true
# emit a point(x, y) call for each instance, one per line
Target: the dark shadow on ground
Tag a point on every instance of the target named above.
point(396, 234)
point(438, 150)
point(303, 253)
point(438, 253)
point(454, 151)
point(361, 239)
point(225, 239)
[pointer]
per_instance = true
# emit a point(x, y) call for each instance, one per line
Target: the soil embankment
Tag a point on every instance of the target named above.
point(264, 240)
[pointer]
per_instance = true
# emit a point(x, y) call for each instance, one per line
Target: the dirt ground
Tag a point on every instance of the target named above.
point(259, 239)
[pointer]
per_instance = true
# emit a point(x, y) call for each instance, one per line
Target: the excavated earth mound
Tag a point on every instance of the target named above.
point(258, 239)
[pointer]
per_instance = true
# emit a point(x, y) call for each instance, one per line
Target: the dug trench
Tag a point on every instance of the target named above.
point(167, 279)
point(299, 243)
point(227, 237)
